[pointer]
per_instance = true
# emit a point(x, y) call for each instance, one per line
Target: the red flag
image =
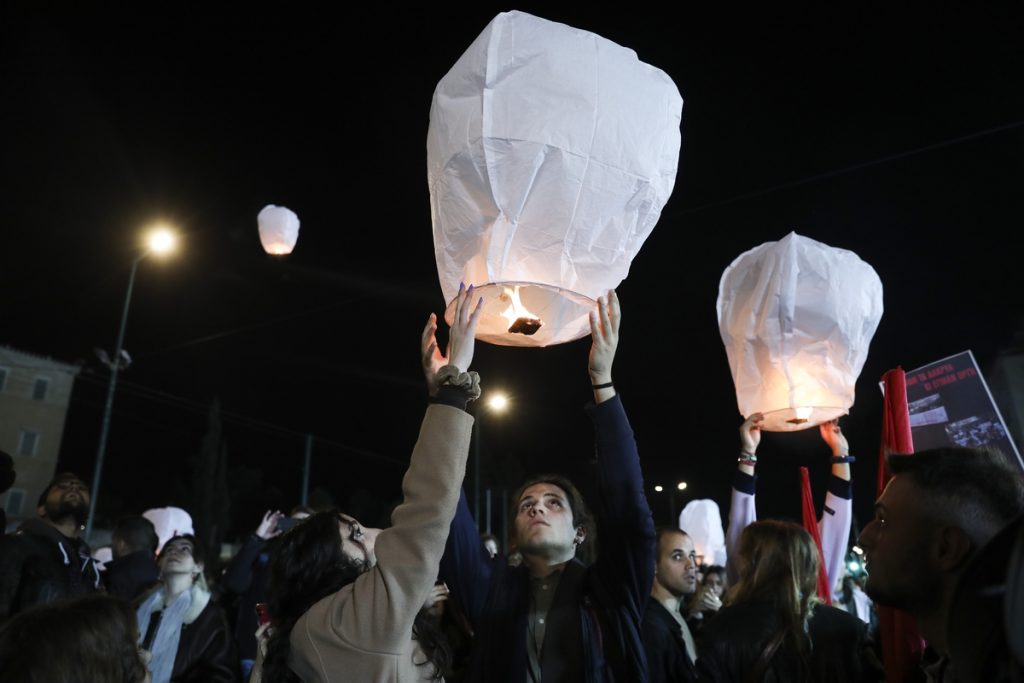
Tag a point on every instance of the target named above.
point(901, 644)
point(811, 524)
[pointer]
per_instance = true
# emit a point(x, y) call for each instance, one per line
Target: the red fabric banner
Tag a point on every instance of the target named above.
point(901, 644)
point(811, 524)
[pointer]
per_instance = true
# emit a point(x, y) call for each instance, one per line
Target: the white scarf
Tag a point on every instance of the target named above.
point(165, 644)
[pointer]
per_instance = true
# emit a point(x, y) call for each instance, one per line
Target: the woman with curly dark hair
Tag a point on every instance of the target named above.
point(91, 638)
point(773, 627)
point(344, 600)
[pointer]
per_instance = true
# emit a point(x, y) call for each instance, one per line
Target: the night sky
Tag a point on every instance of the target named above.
point(900, 138)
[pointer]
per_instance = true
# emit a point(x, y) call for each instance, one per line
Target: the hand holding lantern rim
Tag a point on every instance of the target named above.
point(834, 437)
point(604, 331)
point(750, 434)
point(461, 339)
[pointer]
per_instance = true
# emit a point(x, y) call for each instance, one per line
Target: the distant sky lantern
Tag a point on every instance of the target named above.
point(550, 155)
point(796, 317)
point(279, 229)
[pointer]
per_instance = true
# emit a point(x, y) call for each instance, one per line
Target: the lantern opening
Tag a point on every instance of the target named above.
point(277, 249)
point(520, 319)
point(801, 415)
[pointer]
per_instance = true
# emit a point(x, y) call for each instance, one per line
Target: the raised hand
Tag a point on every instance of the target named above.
point(834, 437)
point(750, 434)
point(268, 527)
point(461, 339)
point(604, 329)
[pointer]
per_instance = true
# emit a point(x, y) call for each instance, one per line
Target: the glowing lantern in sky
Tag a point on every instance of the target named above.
point(796, 318)
point(279, 229)
point(550, 155)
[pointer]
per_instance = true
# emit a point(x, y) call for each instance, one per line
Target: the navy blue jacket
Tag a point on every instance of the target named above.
point(609, 596)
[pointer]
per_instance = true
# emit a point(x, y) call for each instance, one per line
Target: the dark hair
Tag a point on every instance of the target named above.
point(977, 489)
point(91, 638)
point(779, 564)
point(197, 551)
point(580, 515)
point(661, 532)
point(137, 533)
point(306, 565)
point(58, 478)
point(713, 569)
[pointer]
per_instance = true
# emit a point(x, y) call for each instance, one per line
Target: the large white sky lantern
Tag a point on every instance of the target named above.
point(279, 229)
point(796, 318)
point(550, 155)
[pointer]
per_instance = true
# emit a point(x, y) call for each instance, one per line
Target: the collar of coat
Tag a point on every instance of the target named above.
point(200, 599)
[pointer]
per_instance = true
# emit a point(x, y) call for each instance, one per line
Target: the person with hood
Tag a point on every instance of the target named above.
point(45, 560)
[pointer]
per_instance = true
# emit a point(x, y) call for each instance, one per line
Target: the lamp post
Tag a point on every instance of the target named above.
point(498, 403)
point(680, 486)
point(160, 241)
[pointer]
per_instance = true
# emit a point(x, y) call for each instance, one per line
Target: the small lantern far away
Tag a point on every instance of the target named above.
point(279, 229)
point(796, 317)
point(550, 154)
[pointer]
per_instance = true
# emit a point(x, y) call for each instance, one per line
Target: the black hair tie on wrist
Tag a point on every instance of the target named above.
point(606, 385)
point(842, 459)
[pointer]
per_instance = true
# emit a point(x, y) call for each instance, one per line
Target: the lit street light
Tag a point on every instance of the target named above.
point(680, 486)
point(159, 242)
point(498, 403)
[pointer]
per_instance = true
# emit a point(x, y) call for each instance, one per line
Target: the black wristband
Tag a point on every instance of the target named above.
point(606, 385)
point(841, 459)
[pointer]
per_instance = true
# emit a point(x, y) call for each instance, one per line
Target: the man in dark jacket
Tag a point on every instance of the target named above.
point(133, 570)
point(552, 618)
point(44, 560)
point(671, 651)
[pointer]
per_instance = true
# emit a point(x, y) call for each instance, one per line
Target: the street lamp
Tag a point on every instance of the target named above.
point(498, 403)
point(160, 241)
point(680, 486)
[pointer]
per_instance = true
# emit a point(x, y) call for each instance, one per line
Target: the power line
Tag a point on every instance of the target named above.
point(854, 167)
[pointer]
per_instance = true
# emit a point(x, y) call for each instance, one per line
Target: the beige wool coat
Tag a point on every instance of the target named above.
point(363, 633)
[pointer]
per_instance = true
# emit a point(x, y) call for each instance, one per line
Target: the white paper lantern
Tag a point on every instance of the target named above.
point(796, 317)
point(279, 229)
point(550, 154)
point(702, 521)
point(169, 522)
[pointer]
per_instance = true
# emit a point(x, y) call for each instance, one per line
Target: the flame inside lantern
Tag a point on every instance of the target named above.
point(520, 319)
point(801, 415)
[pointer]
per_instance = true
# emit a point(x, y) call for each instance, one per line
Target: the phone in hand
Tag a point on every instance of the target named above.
point(286, 524)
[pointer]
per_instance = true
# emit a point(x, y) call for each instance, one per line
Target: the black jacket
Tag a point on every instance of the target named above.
point(667, 659)
point(38, 564)
point(735, 639)
point(206, 650)
point(130, 576)
point(246, 576)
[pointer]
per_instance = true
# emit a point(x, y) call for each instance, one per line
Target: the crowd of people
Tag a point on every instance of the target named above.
point(318, 596)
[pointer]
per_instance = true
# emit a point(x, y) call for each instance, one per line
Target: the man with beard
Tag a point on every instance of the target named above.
point(671, 652)
point(940, 507)
point(44, 560)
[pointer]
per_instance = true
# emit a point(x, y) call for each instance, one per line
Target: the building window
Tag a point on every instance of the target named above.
point(39, 389)
point(15, 499)
point(28, 443)
point(3, 378)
